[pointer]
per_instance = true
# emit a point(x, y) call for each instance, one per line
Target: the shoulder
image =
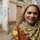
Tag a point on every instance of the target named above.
point(22, 24)
point(38, 24)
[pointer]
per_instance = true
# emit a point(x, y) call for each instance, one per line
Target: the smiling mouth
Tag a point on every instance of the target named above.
point(31, 19)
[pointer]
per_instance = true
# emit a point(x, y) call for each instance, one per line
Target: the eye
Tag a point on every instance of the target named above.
point(35, 13)
point(29, 12)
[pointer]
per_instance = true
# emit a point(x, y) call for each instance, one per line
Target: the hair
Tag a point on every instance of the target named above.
point(23, 19)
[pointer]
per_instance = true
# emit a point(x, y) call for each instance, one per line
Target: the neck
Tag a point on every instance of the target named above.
point(31, 24)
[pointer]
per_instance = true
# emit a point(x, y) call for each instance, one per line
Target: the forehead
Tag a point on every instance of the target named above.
point(32, 8)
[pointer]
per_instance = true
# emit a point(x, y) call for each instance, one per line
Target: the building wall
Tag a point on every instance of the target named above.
point(20, 10)
point(12, 11)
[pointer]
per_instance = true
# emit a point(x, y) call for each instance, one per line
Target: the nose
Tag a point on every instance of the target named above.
point(32, 15)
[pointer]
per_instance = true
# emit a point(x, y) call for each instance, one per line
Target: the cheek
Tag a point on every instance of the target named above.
point(26, 16)
point(36, 16)
point(30, 18)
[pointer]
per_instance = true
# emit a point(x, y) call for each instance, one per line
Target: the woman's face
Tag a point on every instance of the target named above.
point(31, 15)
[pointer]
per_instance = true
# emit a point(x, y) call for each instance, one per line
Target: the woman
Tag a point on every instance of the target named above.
point(29, 28)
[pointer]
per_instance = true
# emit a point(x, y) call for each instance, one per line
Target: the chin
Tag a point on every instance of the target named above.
point(31, 22)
